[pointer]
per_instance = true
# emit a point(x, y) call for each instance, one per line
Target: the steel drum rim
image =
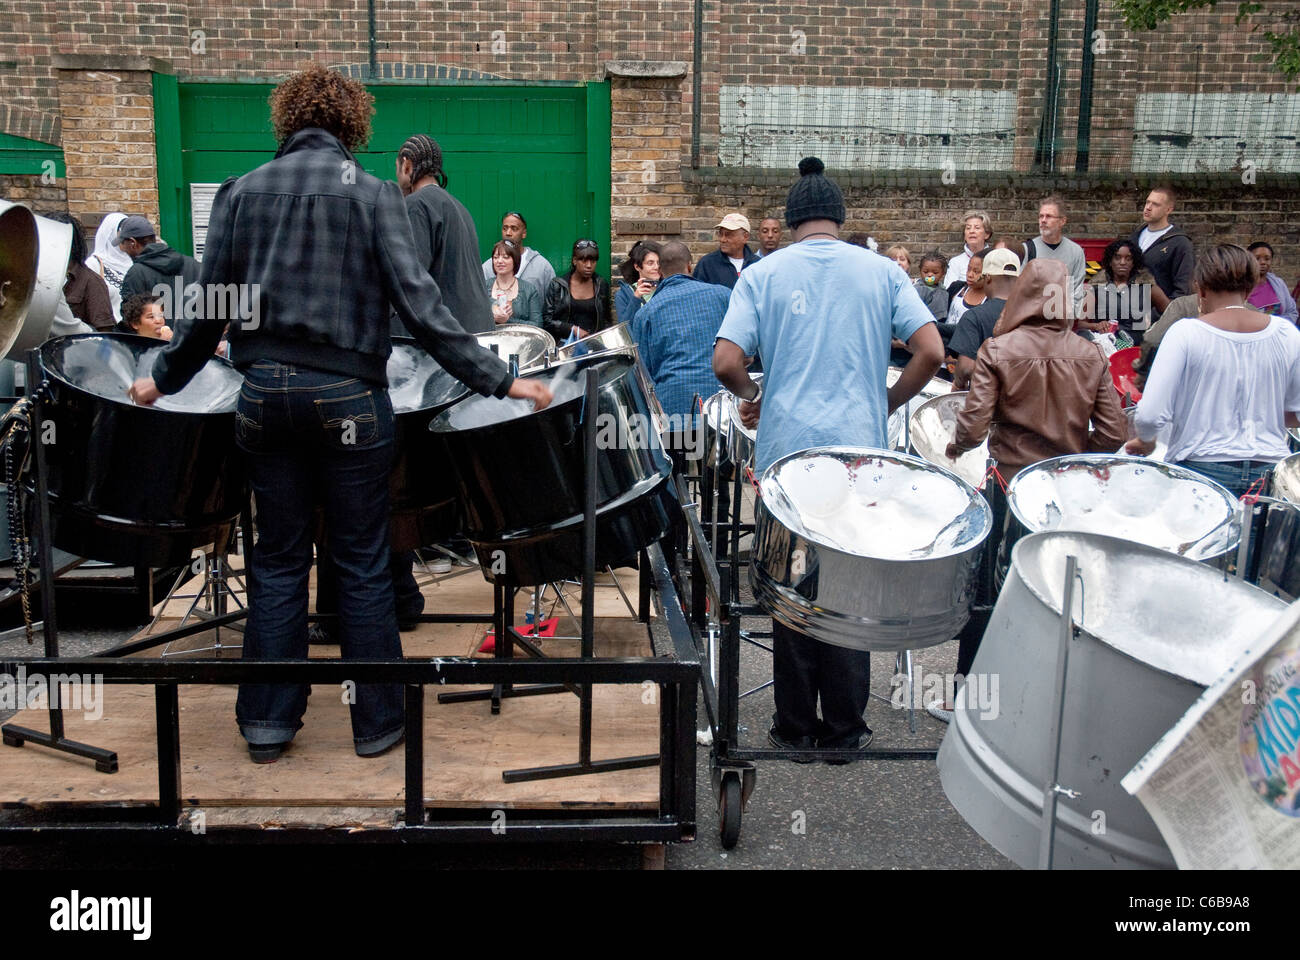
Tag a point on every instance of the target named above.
point(1032, 541)
point(975, 499)
point(914, 431)
point(590, 359)
point(48, 372)
point(852, 632)
point(1281, 469)
point(1104, 459)
point(620, 335)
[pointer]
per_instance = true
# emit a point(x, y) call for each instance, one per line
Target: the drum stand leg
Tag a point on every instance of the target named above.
point(214, 594)
point(585, 764)
point(12, 734)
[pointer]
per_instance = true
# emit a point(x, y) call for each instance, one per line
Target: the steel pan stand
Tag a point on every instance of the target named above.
point(585, 764)
point(1052, 790)
point(215, 597)
point(13, 734)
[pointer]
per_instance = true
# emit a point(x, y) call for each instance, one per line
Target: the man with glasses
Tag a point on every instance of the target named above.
point(1052, 244)
point(533, 267)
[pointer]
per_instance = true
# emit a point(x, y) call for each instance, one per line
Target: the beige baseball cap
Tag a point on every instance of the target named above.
point(1001, 263)
point(735, 221)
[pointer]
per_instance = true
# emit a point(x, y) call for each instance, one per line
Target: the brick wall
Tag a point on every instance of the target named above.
point(924, 214)
point(108, 143)
point(32, 191)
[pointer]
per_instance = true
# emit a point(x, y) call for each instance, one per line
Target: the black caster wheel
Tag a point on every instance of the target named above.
point(729, 809)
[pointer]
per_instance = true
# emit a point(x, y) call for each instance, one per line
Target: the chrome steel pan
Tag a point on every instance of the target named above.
point(727, 440)
point(1131, 498)
point(1286, 479)
point(523, 340)
point(131, 484)
point(1153, 631)
point(611, 338)
point(33, 269)
point(422, 491)
point(521, 474)
point(934, 426)
point(899, 418)
point(866, 548)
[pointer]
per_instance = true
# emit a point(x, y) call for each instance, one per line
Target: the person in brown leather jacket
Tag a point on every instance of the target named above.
point(1036, 384)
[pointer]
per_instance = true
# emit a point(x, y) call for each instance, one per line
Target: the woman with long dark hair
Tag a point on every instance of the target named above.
point(578, 301)
point(640, 277)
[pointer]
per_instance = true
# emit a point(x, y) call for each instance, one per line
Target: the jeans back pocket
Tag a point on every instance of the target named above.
point(349, 421)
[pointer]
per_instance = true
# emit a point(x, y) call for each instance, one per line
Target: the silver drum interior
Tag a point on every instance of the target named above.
point(1286, 479)
point(107, 364)
point(900, 417)
point(866, 548)
point(934, 426)
point(524, 340)
point(1132, 498)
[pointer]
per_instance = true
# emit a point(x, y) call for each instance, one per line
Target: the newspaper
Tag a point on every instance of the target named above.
point(1223, 785)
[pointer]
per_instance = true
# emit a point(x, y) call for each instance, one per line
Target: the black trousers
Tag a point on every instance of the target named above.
point(804, 670)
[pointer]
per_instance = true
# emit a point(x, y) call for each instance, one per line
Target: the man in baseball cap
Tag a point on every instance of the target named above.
point(733, 255)
point(154, 264)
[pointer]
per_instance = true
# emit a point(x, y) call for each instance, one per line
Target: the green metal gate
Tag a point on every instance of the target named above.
point(541, 150)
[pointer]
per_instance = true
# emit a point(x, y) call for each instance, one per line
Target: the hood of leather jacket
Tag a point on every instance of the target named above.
point(1041, 297)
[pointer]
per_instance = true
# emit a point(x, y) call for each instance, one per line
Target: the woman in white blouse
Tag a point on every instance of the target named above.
point(1227, 383)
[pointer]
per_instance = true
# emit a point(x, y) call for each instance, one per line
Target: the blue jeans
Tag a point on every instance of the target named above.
point(309, 435)
point(1236, 475)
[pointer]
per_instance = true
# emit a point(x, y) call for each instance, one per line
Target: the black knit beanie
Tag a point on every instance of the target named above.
point(814, 196)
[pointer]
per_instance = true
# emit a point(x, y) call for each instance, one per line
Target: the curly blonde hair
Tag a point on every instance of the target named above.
point(317, 97)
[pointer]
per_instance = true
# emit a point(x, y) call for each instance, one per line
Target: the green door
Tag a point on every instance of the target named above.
point(543, 151)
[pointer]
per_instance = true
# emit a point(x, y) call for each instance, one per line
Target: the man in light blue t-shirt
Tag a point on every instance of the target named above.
point(820, 314)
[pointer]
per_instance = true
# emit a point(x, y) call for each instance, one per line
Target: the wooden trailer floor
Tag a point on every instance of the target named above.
point(320, 780)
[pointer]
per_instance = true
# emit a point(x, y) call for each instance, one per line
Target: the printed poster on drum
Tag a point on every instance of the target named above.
point(1223, 785)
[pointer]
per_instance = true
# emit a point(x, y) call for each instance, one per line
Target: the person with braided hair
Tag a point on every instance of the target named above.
point(445, 239)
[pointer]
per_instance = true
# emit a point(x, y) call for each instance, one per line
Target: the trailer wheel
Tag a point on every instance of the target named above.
point(729, 806)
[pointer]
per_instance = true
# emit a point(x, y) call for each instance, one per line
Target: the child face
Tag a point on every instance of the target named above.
point(975, 273)
point(931, 272)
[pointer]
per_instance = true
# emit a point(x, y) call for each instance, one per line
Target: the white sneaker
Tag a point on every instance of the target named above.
point(441, 565)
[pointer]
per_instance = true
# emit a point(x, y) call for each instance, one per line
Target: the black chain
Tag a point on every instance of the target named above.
point(16, 432)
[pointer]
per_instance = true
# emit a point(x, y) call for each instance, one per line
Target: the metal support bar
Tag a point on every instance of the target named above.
point(1051, 792)
point(167, 714)
point(414, 754)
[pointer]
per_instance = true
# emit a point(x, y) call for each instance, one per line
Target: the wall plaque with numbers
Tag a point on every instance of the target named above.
point(643, 227)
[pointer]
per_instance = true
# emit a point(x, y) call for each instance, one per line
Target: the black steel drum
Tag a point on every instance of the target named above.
point(422, 489)
point(521, 474)
point(132, 484)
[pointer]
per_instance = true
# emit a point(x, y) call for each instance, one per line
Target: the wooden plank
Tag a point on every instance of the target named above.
point(465, 750)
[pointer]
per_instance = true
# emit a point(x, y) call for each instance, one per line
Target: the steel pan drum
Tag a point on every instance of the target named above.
point(866, 548)
point(1131, 498)
point(132, 484)
point(33, 269)
point(422, 491)
point(1286, 479)
point(523, 340)
point(610, 342)
point(611, 338)
point(934, 426)
point(727, 440)
point(1153, 631)
point(521, 474)
point(900, 417)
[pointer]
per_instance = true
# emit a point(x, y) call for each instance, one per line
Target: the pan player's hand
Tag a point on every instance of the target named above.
point(749, 413)
point(144, 392)
point(1137, 447)
point(532, 390)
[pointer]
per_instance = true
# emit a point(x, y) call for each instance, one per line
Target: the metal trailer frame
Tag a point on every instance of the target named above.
point(675, 670)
